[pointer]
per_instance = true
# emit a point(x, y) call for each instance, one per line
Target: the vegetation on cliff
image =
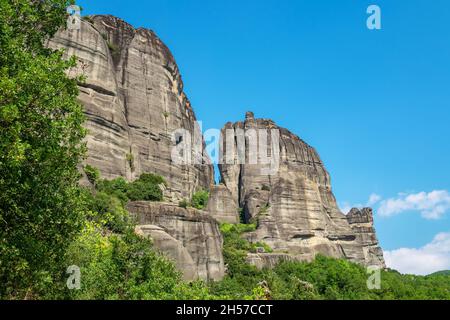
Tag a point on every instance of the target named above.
point(199, 200)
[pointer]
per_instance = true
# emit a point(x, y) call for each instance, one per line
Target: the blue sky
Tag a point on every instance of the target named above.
point(374, 103)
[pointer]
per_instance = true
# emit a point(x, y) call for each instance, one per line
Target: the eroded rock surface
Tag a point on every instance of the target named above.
point(170, 247)
point(361, 221)
point(134, 101)
point(293, 205)
point(195, 230)
point(222, 206)
point(268, 260)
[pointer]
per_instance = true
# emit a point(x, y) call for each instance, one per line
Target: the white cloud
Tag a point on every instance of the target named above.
point(373, 199)
point(430, 258)
point(432, 205)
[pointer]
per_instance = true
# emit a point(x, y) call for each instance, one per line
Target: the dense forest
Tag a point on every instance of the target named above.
point(49, 222)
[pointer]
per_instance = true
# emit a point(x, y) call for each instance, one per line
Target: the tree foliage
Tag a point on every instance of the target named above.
point(200, 199)
point(120, 267)
point(147, 187)
point(40, 148)
point(115, 263)
point(321, 279)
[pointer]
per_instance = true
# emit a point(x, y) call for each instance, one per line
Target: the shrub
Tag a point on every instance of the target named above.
point(242, 215)
point(151, 178)
point(93, 174)
point(130, 160)
point(228, 228)
point(235, 248)
point(183, 203)
point(263, 245)
point(107, 210)
point(243, 228)
point(146, 188)
point(120, 267)
point(200, 199)
point(117, 187)
point(107, 203)
point(144, 191)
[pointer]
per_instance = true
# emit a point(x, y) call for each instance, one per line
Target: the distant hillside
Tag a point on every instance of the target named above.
point(441, 273)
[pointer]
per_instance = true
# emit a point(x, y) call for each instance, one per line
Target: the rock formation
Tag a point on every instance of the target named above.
point(172, 248)
point(222, 206)
point(289, 196)
point(268, 260)
point(134, 102)
point(196, 231)
point(137, 113)
point(361, 221)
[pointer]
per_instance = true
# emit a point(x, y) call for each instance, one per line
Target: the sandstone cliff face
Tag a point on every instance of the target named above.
point(222, 206)
point(293, 204)
point(361, 221)
point(195, 231)
point(134, 102)
point(268, 260)
point(171, 248)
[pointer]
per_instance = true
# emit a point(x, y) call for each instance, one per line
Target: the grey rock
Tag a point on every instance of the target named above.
point(361, 221)
point(268, 260)
point(222, 206)
point(195, 230)
point(172, 248)
point(294, 207)
point(134, 102)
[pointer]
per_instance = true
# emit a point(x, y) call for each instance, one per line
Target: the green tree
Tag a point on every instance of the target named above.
point(92, 174)
point(126, 267)
point(40, 147)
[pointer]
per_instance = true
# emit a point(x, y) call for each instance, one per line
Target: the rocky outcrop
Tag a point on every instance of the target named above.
point(361, 221)
point(289, 196)
point(267, 260)
point(134, 102)
point(170, 247)
point(222, 206)
point(197, 233)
